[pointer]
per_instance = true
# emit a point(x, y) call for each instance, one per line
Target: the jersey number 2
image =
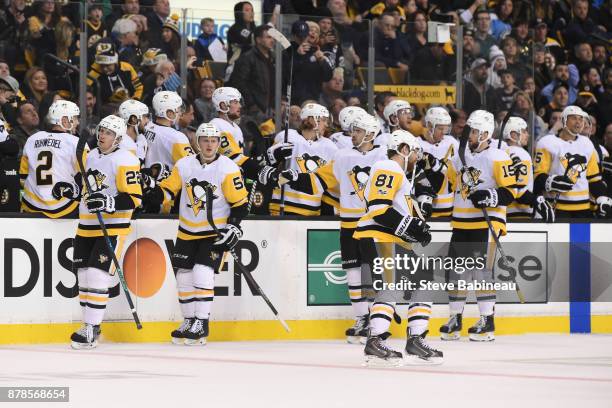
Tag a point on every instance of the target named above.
point(43, 176)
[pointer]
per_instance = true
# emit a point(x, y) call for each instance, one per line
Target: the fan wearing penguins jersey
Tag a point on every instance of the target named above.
point(310, 151)
point(227, 101)
point(136, 117)
point(49, 158)
point(567, 170)
point(344, 139)
point(385, 229)
point(113, 177)
point(516, 136)
point(486, 180)
point(198, 250)
point(348, 171)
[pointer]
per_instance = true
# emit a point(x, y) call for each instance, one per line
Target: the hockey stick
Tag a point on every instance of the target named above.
point(282, 40)
point(498, 246)
point(504, 122)
point(245, 272)
point(79, 152)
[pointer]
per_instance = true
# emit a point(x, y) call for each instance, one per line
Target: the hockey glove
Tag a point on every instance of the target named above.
point(65, 189)
point(558, 183)
point(604, 206)
point(606, 164)
point(425, 203)
point(288, 176)
point(158, 171)
point(412, 229)
point(544, 209)
point(147, 182)
point(268, 175)
point(432, 163)
point(228, 238)
point(484, 198)
point(99, 202)
point(278, 153)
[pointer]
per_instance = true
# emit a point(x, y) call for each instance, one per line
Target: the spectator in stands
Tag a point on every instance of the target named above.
point(332, 89)
point(497, 62)
point(563, 73)
point(458, 119)
point(187, 117)
point(13, 34)
point(59, 78)
point(310, 67)
point(118, 80)
point(9, 88)
point(542, 73)
point(390, 49)
point(432, 64)
point(381, 99)
point(40, 27)
point(150, 59)
point(205, 108)
point(524, 106)
point(559, 100)
point(128, 8)
point(416, 32)
point(334, 110)
point(470, 48)
point(477, 94)
point(254, 74)
point(171, 38)
point(501, 25)
point(540, 37)
point(207, 37)
point(385, 6)
point(96, 29)
point(504, 96)
point(592, 81)
point(600, 57)
point(36, 84)
point(483, 38)
point(329, 43)
point(27, 122)
point(5, 70)
point(581, 27)
point(513, 61)
point(529, 87)
point(524, 41)
point(240, 34)
point(126, 40)
point(155, 21)
point(583, 56)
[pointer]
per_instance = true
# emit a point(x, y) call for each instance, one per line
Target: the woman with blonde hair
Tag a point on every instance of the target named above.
point(36, 84)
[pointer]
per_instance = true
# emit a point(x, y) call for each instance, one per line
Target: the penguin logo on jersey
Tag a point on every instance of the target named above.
point(359, 176)
point(574, 165)
point(196, 192)
point(518, 169)
point(470, 179)
point(96, 179)
point(308, 163)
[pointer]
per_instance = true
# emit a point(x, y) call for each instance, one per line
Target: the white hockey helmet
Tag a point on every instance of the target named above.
point(514, 124)
point(346, 116)
point(165, 101)
point(403, 137)
point(394, 107)
point(206, 130)
point(132, 107)
point(225, 94)
point(569, 111)
point(482, 121)
point(62, 109)
point(315, 110)
point(437, 116)
point(116, 125)
point(366, 122)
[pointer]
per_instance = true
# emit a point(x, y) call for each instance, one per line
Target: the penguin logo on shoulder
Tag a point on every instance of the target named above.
point(359, 176)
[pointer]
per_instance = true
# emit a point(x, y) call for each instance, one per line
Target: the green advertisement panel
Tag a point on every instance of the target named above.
point(326, 280)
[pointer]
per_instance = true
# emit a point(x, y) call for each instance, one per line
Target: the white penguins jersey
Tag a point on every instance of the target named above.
point(444, 150)
point(387, 187)
point(138, 147)
point(113, 173)
point(165, 145)
point(488, 169)
point(577, 159)
point(341, 140)
point(232, 140)
point(348, 171)
point(523, 173)
point(307, 156)
point(48, 158)
point(190, 178)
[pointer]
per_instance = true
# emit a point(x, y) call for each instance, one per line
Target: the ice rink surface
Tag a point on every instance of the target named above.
point(518, 371)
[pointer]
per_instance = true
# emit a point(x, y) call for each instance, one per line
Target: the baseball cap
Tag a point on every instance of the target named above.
point(11, 82)
point(300, 29)
point(478, 62)
point(539, 22)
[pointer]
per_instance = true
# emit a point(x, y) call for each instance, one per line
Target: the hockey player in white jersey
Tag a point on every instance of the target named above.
point(526, 204)
point(113, 175)
point(198, 250)
point(228, 103)
point(344, 139)
point(383, 232)
point(348, 172)
point(310, 150)
point(50, 158)
point(136, 117)
point(485, 180)
point(567, 171)
point(398, 114)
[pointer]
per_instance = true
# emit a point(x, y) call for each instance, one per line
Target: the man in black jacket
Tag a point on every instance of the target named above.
point(254, 75)
point(310, 66)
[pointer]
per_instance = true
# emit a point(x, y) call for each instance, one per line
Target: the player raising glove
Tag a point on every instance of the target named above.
point(279, 152)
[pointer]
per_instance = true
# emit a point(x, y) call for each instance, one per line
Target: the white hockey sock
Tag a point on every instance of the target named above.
point(486, 307)
point(83, 289)
point(184, 283)
point(381, 316)
point(456, 301)
point(359, 300)
point(418, 318)
point(204, 289)
point(98, 282)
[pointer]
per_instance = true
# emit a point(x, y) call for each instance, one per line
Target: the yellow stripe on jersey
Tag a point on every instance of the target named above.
point(60, 213)
point(385, 185)
point(230, 148)
point(171, 186)
point(180, 150)
point(592, 171)
point(233, 189)
point(542, 162)
point(128, 181)
point(23, 169)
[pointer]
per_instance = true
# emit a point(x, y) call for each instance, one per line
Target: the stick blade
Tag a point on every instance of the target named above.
point(279, 37)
